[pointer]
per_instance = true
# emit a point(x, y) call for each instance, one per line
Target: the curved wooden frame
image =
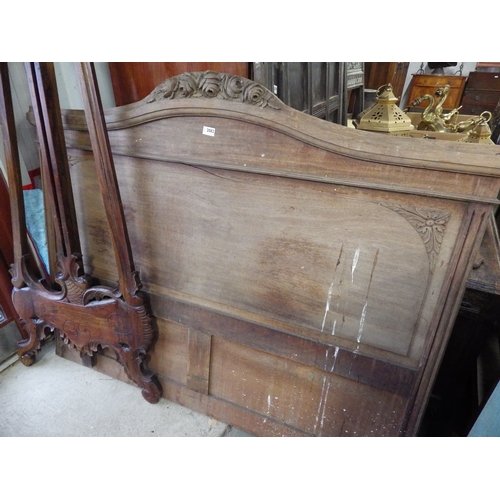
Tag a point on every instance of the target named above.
point(86, 317)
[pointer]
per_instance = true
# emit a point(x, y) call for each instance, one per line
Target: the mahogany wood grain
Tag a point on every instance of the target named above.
point(128, 277)
point(382, 73)
point(19, 234)
point(87, 318)
point(54, 160)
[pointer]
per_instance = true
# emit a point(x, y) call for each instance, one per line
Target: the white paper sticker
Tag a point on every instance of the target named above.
point(209, 131)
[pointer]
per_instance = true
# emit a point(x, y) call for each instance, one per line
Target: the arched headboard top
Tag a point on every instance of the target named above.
point(214, 85)
point(212, 94)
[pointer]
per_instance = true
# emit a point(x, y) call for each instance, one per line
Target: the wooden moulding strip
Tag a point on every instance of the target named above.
point(403, 151)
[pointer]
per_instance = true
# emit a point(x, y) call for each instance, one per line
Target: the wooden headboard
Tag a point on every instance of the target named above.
point(304, 276)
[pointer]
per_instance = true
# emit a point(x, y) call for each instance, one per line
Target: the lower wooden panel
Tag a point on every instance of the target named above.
point(264, 391)
point(305, 398)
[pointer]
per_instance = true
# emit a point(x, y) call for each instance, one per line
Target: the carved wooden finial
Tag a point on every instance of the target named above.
point(210, 84)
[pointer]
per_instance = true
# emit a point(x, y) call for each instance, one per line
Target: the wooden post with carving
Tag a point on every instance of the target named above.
point(86, 317)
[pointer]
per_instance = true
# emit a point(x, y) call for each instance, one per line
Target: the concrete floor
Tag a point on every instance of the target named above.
point(56, 397)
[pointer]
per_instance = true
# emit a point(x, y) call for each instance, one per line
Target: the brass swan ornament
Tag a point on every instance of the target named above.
point(433, 117)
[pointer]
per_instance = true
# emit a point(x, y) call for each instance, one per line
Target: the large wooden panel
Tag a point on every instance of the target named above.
point(317, 263)
point(304, 276)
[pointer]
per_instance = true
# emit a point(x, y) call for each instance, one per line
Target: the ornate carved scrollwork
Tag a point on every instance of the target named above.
point(210, 84)
point(88, 318)
point(429, 224)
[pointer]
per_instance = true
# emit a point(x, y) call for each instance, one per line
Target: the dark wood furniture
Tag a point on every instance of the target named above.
point(87, 317)
point(382, 73)
point(422, 84)
point(320, 89)
point(482, 93)
point(304, 276)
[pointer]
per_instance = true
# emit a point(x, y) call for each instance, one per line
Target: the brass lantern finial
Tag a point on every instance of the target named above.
point(384, 115)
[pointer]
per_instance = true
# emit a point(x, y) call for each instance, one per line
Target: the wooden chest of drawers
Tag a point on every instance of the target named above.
point(428, 84)
point(482, 92)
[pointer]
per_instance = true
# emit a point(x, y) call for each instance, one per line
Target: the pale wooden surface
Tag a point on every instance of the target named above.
point(299, 284)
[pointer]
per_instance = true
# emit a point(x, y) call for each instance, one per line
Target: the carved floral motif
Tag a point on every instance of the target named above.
point(210, 84)
point(429, 224)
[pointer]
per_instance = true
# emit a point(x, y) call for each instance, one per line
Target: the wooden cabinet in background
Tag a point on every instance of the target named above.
point(428, 84)
point(482, 93)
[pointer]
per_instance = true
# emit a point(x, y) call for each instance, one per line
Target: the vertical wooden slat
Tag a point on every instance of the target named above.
point(7, 122)
point(128, 276)
point(54, 164)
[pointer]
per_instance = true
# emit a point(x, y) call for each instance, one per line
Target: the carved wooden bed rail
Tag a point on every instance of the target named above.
point(87, 317)
point(304, 276)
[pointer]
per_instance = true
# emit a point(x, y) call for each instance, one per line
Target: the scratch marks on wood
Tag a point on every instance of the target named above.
point(365, 307)
point(362, 323)
point(348, 304)
point(354, 263)
point(322, 405)
point(335, 354)
point(330, 292)
point(339, 258)
point(327, 307)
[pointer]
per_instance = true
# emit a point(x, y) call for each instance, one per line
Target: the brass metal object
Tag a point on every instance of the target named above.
point(433, 118)
point(384, 115)
point(481, 133)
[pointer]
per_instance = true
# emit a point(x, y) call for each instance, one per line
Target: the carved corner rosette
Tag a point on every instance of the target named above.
point(429, 224)
point(214, 85)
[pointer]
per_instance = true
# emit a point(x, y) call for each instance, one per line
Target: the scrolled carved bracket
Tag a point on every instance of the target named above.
point(210, 84)
point(429, 224)
point(88, 318)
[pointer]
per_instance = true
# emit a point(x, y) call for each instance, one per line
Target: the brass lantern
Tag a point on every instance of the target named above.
point(384, 115)
point(481, 133)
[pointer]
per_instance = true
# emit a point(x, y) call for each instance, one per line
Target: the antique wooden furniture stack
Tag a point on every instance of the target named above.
point(303, 277)
point(422, 84)
point(482, 92)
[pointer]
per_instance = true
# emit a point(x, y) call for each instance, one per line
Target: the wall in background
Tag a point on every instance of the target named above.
point(69, 97)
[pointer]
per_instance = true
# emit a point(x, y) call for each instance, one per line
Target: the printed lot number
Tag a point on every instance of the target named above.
point(209, 131)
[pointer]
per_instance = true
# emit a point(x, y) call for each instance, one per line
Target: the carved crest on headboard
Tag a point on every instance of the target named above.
point(210, 84)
